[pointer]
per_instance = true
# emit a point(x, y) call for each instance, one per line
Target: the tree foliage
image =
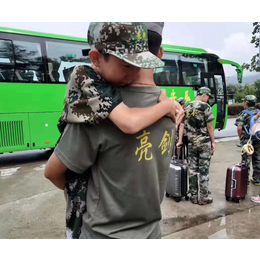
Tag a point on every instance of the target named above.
point(238, 92)
point(254, 65)
point(257, 87)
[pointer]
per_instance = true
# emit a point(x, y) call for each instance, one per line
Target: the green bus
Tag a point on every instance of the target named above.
point(34, 68)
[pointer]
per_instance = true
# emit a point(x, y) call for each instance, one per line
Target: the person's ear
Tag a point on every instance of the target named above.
point(160, 53)
point(95, 57)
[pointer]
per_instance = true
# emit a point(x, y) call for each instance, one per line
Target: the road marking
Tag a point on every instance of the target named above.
point(8, 172)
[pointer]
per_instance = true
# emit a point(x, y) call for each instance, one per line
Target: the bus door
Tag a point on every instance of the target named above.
point(216, 83)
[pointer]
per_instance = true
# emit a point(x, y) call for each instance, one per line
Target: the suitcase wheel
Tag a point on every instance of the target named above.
point(228, 198)
point(167, 195)
point(237, 200)
point(187, 198)
point(177, 199)
point(243, 198)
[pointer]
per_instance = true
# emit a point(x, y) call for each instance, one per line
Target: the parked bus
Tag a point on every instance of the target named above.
point(34, 68)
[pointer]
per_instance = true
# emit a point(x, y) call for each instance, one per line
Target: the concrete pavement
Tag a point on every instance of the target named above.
point(185, 215)
point(31, 207)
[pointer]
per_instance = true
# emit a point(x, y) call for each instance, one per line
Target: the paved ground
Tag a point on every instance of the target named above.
point(185, 215)
point(229, 131)
point(31, 207)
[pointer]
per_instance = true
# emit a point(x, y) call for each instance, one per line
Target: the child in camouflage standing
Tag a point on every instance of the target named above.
point(201, 145)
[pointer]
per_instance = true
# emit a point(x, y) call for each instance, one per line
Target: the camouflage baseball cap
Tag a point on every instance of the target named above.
point(250, 99)
point(127, 41)
point(205, 90)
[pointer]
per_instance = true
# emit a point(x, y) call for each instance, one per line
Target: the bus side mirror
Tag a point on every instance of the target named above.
point(239, 77)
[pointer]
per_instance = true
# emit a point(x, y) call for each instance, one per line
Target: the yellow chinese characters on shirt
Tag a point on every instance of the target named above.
point(143, 151)
point(166, 142)
point(145, 145)
point(190, 114)
point(187, 97)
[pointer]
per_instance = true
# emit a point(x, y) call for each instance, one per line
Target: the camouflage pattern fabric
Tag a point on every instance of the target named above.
point(126, 41)
point(199, 156)
point(250, 99)
point(75, 196)
point(89, 99)
point(255, 159)
point(205, 90)
point(197, 115)
point(242, 120)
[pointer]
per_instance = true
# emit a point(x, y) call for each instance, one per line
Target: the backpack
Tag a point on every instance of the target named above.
point(252, 124)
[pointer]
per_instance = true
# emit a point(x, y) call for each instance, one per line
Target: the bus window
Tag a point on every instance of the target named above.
point(169, 75)
point(192, 67)
point(6, 52)
point(6, 61)
point(62, 57)
point(28, 62)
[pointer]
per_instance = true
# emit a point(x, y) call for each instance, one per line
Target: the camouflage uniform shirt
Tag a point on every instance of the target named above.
point(197, 115)
point(243, 120)
point(89, 99)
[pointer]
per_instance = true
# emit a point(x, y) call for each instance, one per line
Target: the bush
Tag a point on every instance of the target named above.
point(235, 109)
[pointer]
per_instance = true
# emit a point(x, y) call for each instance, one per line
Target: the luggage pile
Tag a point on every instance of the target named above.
point(177, 181)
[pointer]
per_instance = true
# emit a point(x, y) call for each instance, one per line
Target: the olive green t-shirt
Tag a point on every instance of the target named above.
point(129, 172)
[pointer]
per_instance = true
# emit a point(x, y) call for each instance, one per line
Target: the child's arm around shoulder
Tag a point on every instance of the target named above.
point(132, 120)
point(97, 100)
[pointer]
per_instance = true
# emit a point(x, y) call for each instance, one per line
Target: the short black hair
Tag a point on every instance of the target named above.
point(154, 42)
point(105, 55)
point(251, 103)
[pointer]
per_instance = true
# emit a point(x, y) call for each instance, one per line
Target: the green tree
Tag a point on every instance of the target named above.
point(257, 87)
point(249, 90)
point(254, 65)
point(239, 96)
point(244, 91)
point(232, 89)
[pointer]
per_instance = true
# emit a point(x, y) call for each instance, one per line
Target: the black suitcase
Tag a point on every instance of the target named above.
point(177, 180)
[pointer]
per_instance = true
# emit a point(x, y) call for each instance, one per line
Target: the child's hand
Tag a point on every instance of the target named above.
point(172, 111)
point(179, 144)
point(163, 95)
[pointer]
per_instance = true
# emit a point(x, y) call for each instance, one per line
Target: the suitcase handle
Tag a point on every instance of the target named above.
point(233, 183)
point(178, 155)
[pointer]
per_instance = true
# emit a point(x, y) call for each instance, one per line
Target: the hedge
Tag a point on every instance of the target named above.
point(235, 109)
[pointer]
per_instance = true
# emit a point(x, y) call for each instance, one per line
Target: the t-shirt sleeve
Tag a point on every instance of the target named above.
point(89, 98)
point(208, 114)
point(76, 149)
point(240, 119)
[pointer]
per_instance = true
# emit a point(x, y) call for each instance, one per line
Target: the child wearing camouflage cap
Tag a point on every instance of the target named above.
point(242, 122)
point(118, 51)
point(201, 145)
point(90, 99)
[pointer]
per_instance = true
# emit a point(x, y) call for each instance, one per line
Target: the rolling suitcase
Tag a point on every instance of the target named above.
point(236, 182)
point(177, 180)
